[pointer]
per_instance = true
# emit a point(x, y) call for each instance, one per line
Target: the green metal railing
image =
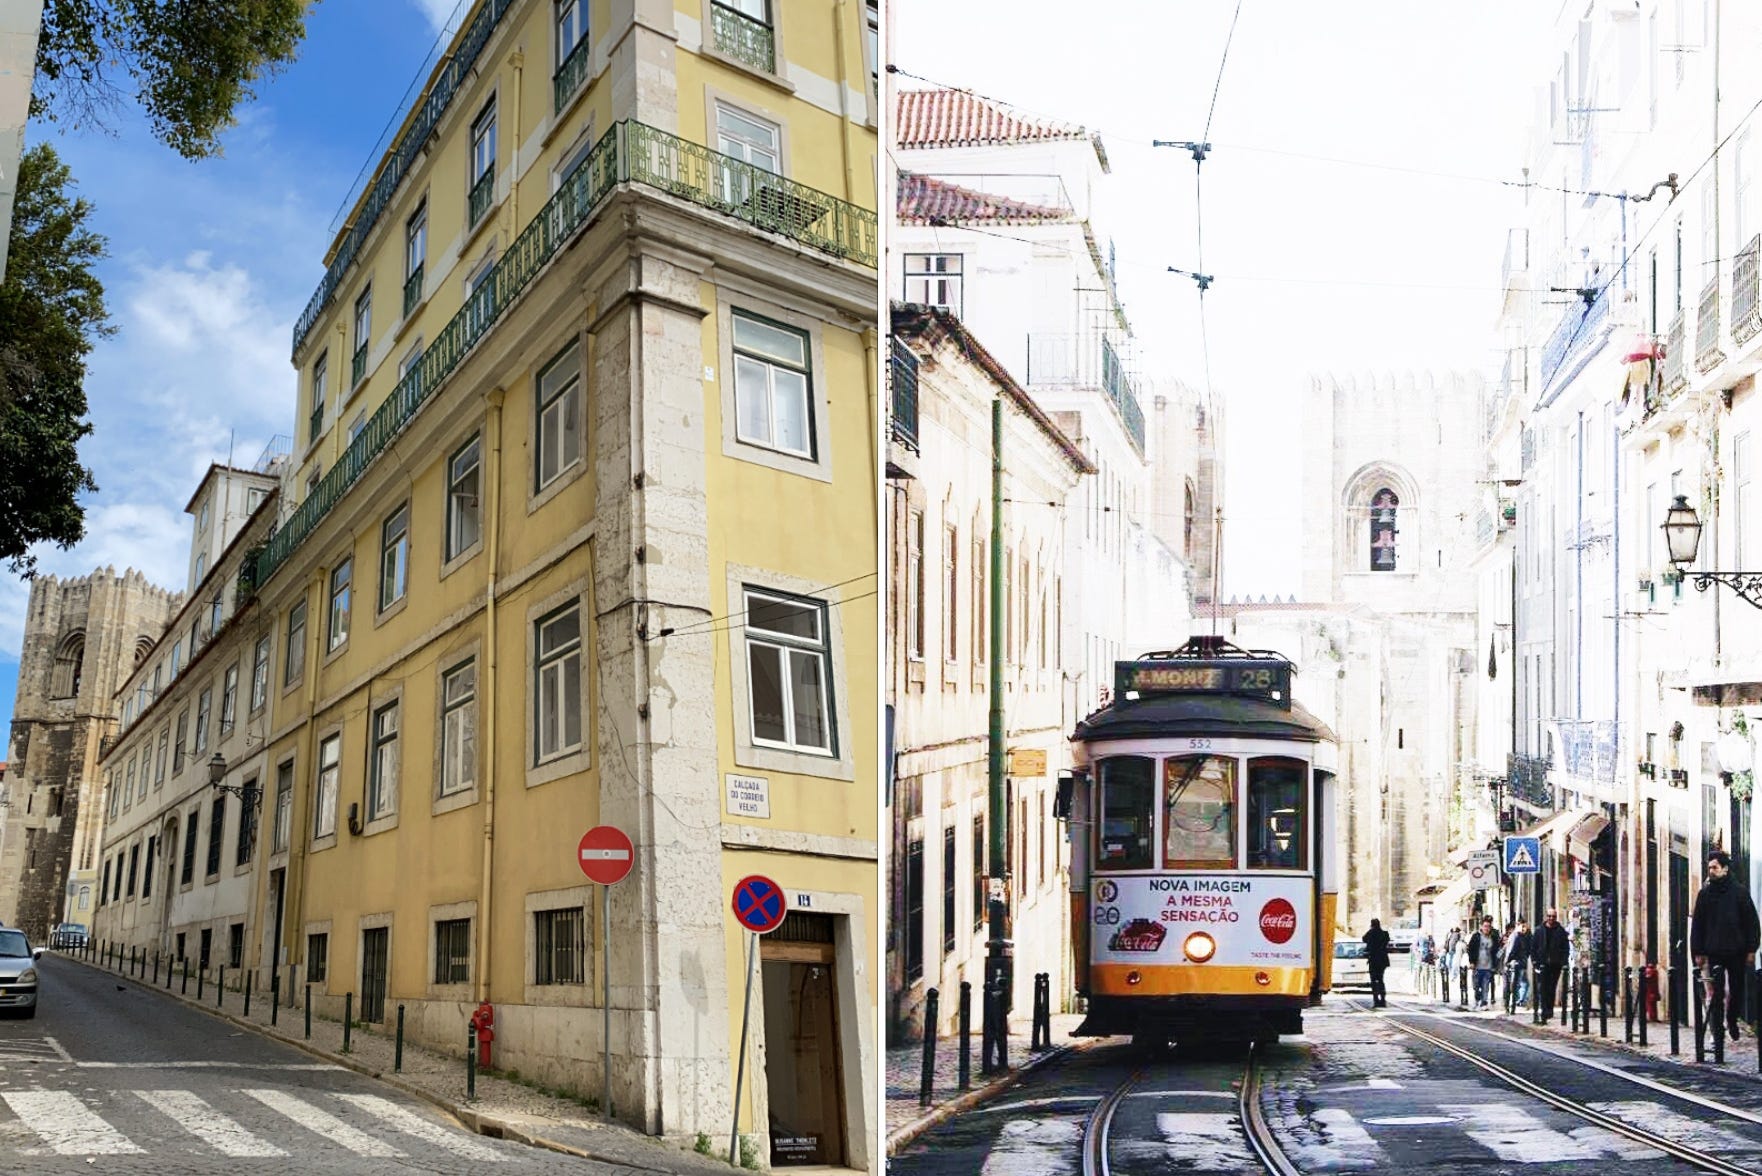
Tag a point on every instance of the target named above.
point(571, 74)
point(358, 365)
point(743, 38)
point(402, 156)
point(629, 152)
point(315, 424)
point(412, 290)
point(480, 194)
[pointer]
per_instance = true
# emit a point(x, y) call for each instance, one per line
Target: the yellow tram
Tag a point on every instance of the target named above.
point(1203, 859)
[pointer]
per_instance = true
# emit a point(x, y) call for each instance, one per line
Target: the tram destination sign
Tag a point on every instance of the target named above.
point(1267, 678)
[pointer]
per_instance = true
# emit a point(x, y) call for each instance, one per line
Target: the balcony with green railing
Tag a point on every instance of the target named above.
point(748, 41)
point(412, 290)
point(315, 424)
point(481, 191)
point(571, 74)
point(358, 365)
point(629, 152)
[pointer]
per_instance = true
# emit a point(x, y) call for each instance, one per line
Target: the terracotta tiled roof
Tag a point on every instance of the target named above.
point(955, 118)
point(926, 200)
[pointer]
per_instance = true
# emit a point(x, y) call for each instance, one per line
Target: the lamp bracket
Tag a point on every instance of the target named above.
point(248, 793)
point(1746, 584)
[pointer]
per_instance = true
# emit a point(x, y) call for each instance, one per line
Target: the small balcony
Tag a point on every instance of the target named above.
point(1675, 375)
point(1576, 327)
point(358, 365)
point(748, 41)
point(315, 424)
point(1087, 360)
point(481, 191)
point(1746, 286)
point(903, 373)
point(1707, 353)
point(1527, 780)
point(412, 290)
point(571, 74)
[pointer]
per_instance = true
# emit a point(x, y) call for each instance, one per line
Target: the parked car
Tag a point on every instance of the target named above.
point(1351, 966)
point(68, 937)
point(18, 973)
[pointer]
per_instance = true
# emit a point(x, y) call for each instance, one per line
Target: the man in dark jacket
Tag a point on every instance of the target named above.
point(1376, 954)
point(1517, 958)
point(1724, 932)
point(1550, 952)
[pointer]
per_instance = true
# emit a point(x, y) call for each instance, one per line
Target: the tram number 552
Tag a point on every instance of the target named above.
point(1107, 916)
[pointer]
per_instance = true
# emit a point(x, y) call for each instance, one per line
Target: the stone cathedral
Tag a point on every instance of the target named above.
point(82, 637)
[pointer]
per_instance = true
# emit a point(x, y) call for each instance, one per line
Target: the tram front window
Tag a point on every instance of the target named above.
point(1277, 816)
point(1199, 811)
point(1128, 790)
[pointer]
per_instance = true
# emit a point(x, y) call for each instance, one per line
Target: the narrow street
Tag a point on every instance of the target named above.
point(111, 1077)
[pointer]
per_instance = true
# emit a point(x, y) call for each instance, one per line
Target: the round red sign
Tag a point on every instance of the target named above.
point(605, 854)
point(1278, 920)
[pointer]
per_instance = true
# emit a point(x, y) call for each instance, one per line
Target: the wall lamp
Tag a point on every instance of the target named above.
point(1682, 538)
point(250, 794)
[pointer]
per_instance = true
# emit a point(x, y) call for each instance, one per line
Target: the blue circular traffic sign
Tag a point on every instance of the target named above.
point(759, 903)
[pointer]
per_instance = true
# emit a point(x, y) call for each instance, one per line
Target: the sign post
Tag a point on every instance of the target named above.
point(605, 856)
point(759, 906)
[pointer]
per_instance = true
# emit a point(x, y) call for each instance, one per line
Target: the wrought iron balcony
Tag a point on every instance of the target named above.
point(315, 424)
point(1707, 353)
point(1746, 292)
point(571, 74)
point(412, 290)
point(1526, 778)
point(1087, 359)
point(481, 191)
point(629, 152)
point(903, 370)
point(1576, 327)
point(743, 38)
point(1675, 375)
point(358, 365)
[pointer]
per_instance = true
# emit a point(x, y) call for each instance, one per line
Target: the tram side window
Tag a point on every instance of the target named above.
point(1199, 818)
point(1128, 792)
point(1278, 817)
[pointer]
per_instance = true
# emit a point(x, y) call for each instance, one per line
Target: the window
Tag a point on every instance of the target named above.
point(1199, 801)
point(216, 827)
point(914, 578)
point(787, 655)
point(872, 46)
point(394, 557)
point(752, 142)
point(1277, 814)
point(202, 517)
point(360, 421)
point(363, 328)
point(260, 674)
point(458, 728)
point(201, 566)
point(464, 506)
point(128, 788)
point(191, 832)
point(147, 871)
point(134, 863)
point(934, 279)
point(339, 603)
point(559, 954)
point(571, 28)
point(1382, 530)
point(235, 945)
point(313, 479)
point(104, 886)
point(1128, 789)
point(178, 748)
point(481, 179)
point(284, 807)
point(557, 712)
point(295, 660)
point(559, 416)
point(177, 654)
point(772, 406)
point(742, 29)
point(979, 873)
point(948, 891)
point(914, 908)
point(254, 499)
point(247, 841)
point(411, 359)
point(317, 958)
point(415, 256)
point(452, 951)
point(981, 603)
point(324, 795)
point(951, 588)
point(214, 615)
point(382, 779)
point(229, 699)
point(203, 705)
point(159, 767)
point(320, 373)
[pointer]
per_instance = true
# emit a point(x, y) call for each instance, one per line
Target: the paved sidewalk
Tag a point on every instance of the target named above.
point(905, 1063)
point(503, 1108)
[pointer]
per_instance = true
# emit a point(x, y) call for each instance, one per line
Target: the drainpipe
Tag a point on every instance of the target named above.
point(492, 482)
point(294, 900)
point(840, 40)
point(518, 61)
point(871, 348)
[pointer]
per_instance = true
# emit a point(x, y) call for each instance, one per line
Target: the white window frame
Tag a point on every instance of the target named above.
point(394, 558)
point(557, 398)
point(327, 779)
point(551, 670)
point(341, 596)
point(751, 356)
point(281, 827)
point(416, 240)
point(204, 705)
point(569, 21)
point(761, 641)
point(363, 339)
point(836, 763)
point(458, 729)
point(294, 663)
point(930, 282)
point(383, 751)
point(229, 700)
point(482, 145)
point(751, 304)
point(459, 515)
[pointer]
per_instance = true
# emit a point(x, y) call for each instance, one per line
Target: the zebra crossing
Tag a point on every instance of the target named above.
point(265, 1123)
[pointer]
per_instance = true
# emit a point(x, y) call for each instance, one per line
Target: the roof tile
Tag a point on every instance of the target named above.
point(957, 118)
point(926, 200)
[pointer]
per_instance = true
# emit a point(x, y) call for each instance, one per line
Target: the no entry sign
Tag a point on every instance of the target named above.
point(759, 903)
point(605, 854)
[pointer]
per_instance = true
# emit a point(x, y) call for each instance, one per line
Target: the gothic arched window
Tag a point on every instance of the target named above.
point(66, 680)
point(143, 649)
point(1383, 505)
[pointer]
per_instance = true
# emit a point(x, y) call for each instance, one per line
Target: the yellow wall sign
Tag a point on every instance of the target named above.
point(1027, 761)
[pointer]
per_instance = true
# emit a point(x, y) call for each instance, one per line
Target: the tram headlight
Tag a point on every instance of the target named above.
point(1199, 947)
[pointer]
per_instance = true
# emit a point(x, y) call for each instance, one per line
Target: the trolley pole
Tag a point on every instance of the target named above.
point(998, 949)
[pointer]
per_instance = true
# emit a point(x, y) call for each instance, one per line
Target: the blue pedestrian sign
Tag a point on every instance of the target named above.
point(1523, 855)
point(759, 904)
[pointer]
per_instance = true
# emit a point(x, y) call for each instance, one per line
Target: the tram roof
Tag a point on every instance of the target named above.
point(1218, 715)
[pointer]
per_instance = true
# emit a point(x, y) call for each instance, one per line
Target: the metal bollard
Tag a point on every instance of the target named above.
point(201, 979)
point(155, 969)
point(1603, 994)
point(1462, 986)
point(168, 971)
point(966, 1035)
point(470, 1060)
point(248, 973)
point(1673, 981)
point(348, 1018)
point(927, 1069)
point(220, 988)
point(398, 1057)
point(1640, 1005)
point(186, 988)
point(1041, 1038)
point(1627, 1003)
point(1700, 1016)
point(1716, 1014)
point(308, 1012)
point(274, 995)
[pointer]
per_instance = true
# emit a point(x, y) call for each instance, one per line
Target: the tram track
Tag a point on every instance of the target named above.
point(1704, 1160)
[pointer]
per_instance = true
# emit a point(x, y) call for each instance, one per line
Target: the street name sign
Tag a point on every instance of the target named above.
point(1523, 855)
point(605, 854)
point(1483, 870)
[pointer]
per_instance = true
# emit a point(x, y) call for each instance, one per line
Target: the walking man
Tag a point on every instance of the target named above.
point(1550, 952)
point(1376, 954)
point(1517, 958)
point(1724, 932)
point(1483, 955)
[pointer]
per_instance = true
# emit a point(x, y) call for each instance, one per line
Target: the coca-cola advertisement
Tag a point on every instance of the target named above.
point(1278, 920)
point(1255, 920)
point(1139, 935)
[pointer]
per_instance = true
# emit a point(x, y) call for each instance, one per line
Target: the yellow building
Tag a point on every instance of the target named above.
point(581, 530)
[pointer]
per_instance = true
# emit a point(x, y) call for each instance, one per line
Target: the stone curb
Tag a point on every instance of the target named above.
point(972, 1098)
point(473, 1121)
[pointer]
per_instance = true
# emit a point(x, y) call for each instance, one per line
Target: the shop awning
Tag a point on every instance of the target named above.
point(1452, 896)
point(1461, 856)
point(1587, 830)
point(1553, 831)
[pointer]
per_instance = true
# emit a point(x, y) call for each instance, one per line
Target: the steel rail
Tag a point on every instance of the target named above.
point(1096, 1129)
point(1254, 1125)
point(1681, 1151)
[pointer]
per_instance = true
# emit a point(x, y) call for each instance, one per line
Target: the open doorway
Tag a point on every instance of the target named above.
point(803, 1075)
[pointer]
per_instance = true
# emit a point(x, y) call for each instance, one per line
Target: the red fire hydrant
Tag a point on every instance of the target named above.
point(1650, 973)
point(484, 1019)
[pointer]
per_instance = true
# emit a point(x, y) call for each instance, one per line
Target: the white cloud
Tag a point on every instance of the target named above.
point(441, 15)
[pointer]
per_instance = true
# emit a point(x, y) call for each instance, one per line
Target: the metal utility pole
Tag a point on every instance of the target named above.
point(998, 949)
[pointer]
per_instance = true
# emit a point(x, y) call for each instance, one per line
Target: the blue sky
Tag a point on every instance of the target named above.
point(210, 263)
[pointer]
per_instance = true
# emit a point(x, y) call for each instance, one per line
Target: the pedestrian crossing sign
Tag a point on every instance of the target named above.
point(1523, 855)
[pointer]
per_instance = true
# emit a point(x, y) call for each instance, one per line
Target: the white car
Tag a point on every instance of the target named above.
point(1351, 965)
